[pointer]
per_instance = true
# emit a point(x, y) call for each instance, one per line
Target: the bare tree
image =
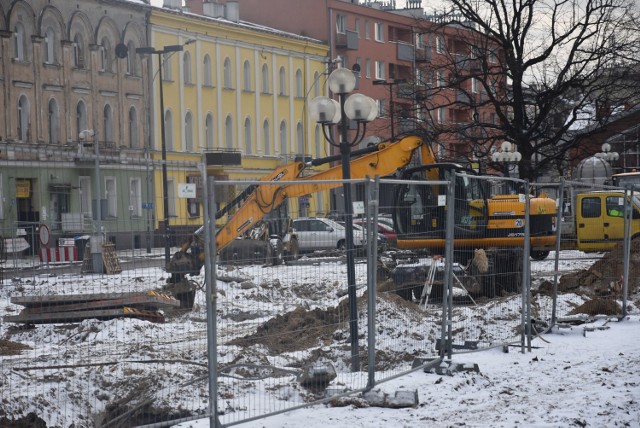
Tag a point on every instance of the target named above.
point(533, 71)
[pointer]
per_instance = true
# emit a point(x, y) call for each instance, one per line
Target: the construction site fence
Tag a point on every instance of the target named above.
point(262, 328)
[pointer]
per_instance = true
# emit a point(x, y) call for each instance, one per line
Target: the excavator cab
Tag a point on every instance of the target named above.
point(421, 209)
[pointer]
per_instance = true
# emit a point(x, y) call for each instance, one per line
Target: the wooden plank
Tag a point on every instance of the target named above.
point(57, 299)
point(142, 301)
point(104, 314)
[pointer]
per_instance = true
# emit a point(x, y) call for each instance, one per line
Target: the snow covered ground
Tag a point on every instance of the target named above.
point(569, 379)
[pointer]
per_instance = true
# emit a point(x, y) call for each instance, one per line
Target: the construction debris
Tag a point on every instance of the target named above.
point(77, 307)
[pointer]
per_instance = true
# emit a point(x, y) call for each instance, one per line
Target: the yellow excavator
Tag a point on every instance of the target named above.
point(482, 222)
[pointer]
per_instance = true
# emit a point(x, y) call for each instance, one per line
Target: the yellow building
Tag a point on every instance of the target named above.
point(234, 88)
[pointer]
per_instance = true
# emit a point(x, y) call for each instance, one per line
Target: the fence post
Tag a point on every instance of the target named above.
point(371, 211)
point(628, 216)
point(526, 267)
point(559, 216)
point(211, 293)
point(447, 289)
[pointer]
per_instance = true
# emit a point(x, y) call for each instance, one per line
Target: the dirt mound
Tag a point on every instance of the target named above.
point(604, 277)
point(598, 307)
point(8, 347)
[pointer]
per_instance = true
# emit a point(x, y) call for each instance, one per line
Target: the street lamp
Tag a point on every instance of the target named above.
point(328, 112)
point(607, 154)
point(95, 243)
point(390, 84)
point(165, 184)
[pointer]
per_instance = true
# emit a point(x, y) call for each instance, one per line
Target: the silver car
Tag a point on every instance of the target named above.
point(316, 233)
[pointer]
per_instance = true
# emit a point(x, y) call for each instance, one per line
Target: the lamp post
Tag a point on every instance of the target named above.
point(390, 84)
point(95, 243)
point(328, 112)
point(165, 184)
point(607, 154)
point(508, 155)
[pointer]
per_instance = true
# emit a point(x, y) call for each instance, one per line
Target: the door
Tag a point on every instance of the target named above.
point(590, 223)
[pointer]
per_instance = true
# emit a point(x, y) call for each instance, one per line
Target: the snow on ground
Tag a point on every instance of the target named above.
point(569, 378)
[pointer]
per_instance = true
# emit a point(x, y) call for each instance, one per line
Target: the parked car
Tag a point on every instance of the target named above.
point(383, 228)
point(317, 233)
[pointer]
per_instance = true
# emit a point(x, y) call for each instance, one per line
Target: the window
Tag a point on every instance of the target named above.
point(23, 119)
point(54, 122)
point(228, 79)
point(105, 55)
point(300, 138)
point(168, 130)
point(208, 71)
point(112, 196)
point(135, 197)
point(439, 44)
point(282, 90)
point(246, 76)
point(193, 204)
point(299, 90)
point(81, 117)
point(419, 41)
point(248, 149)
point(442, 116)
point(186, 68)
point(382, 108)
point(49, 46)
point(357, 27)
point(367, 68)
point(133, 128)
point(188, 132)
point(59, 203)
point(209, 131)
point(367, 32)
point(266, 137)
point(228, 132)
point(379, 29)
point(591, 207)
point(107, 132)
point(78, 51)
point(265, 79)
point(341, 23)
point(19, 46)
point(380, 70)
point(440, 79)
point(615, 206)
point(283, 138)
point(84, 185)
point(131, 60)
point(316, 84)
point(166, 67)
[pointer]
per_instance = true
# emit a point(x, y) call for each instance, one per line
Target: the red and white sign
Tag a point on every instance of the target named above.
point(59, 254)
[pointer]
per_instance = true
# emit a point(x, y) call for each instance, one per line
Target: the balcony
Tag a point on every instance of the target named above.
point(423, 55)
point(347, 40)
point(405, 51)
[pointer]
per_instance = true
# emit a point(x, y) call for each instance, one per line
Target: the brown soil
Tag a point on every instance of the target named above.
point(604, 277)
point(8, 347)
point(598, 306)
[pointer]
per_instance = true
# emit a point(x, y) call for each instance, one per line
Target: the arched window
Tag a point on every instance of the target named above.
point(186, 68)
point(209, 131)
point(23, 118)
point(133, 128)
point(299, 90)
point(168, 130)
point(228, 132)
point(54, 122)
point(246, 76)
point(265, 79)
point(50, 46)
point(131, 60)
point(166, 67)
point(208, 71)
point(266, 137)
point(81, 117)
point(228, 80)
point(105, 55)
point(108, 124)
point(19, 46)
point(283, 138)
point(188, 132)
point(317, 141)
point(299, 138)
point(248, 149)
point(78, 51)
point(316, 84)
point(282, 90)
